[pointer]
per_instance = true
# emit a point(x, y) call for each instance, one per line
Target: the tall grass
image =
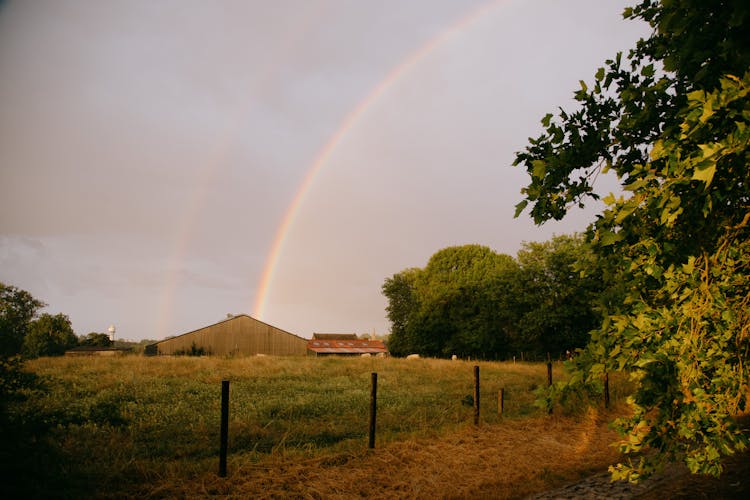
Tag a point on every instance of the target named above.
point(124, 421)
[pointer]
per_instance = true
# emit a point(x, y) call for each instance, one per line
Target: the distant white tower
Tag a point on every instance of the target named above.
point(111, 331)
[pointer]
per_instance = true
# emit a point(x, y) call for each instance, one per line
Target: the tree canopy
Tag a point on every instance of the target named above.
point(473, 302)
point(17, 309)
point(671, 121)
point(552, 301)
point(95, 339)
point(49, 336)
point(445, 308)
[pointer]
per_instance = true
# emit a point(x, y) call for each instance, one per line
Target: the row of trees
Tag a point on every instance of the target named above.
point(672, 121)
point(24, 331)
point(473, 302)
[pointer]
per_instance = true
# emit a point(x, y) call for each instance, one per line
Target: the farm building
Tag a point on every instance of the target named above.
point(239, 334)
point(88, 350)
point(334, 336)
point(344, 344)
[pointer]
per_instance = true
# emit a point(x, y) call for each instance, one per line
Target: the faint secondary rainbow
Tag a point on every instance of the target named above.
point(269, 271)
point(205, 178)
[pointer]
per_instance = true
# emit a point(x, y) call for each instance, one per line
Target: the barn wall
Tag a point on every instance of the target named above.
point(238, 335)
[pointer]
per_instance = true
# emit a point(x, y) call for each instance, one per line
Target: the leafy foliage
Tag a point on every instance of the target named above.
point(15, 383)
point(95, 339)
point(470, 301)
point(673, 126)
point(448, 307)
point(552, 298)
point(401, 292)
point(24, 434)
point(49, 336)
point(17, 309)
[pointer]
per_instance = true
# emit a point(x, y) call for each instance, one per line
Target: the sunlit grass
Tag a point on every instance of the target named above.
point(135, 419)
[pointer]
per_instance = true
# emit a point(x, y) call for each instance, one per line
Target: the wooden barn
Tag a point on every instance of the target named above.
point(238, 335)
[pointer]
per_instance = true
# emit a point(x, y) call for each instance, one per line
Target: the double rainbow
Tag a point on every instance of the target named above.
point(277, 247)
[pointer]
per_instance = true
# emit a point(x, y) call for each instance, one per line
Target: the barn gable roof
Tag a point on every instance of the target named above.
point(240, 334)
point(233, 318)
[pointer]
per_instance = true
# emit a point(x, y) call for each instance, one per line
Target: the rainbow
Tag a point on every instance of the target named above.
point(205, 178)
point(277, 246)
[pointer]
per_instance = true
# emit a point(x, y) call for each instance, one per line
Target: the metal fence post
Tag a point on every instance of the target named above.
point(373, 408)
point(476, 395)
point(224, 433)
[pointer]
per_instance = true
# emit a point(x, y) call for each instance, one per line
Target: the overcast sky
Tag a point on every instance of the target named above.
point(153, 152)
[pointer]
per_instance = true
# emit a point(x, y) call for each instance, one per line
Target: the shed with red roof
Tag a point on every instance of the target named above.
point(334, 345)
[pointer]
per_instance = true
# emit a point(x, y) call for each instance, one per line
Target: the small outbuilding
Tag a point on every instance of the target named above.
point(335, 336)
point(90, 350)
point(344, 344)
point(238, 335)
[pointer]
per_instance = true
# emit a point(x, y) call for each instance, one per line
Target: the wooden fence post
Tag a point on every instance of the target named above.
point(373, 408)
point(476, 395)
point(500, 402)
point(224, 433)
point(549, 378)
point(549, 373)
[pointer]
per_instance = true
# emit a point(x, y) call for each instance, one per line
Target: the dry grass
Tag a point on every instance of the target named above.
point(148, 427)
point(510, 459)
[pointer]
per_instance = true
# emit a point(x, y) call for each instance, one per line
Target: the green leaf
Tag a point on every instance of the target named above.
point(708, 112)
point(697, 96)
point(657, 150)
point(607, 238)
point(539, 168)
point(624, 212)
point(609, 199)
point(519, 207)
point(689, 267)
point(705, 174)
point(709, 150)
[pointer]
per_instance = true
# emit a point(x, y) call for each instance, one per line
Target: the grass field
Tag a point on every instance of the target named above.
point(137, 426)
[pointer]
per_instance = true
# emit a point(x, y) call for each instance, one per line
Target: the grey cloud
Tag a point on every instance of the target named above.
point(150, 150)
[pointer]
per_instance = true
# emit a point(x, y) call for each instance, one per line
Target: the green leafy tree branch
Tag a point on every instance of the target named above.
point(674, 128)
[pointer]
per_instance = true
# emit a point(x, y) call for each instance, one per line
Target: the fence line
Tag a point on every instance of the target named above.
point(224, 426)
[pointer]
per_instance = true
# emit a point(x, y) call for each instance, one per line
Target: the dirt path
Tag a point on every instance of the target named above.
point(675, 482)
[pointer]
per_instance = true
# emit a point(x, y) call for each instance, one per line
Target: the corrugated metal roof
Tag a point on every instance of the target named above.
point(334, 336)
point(346, 346)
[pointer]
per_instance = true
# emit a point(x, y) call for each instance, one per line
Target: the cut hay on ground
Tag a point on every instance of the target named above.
point(508, 460)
